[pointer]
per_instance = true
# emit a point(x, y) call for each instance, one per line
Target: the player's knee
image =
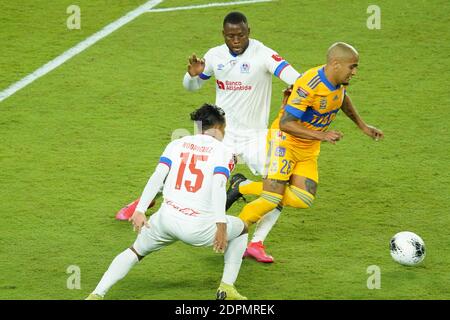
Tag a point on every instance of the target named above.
point(245, 229)
point(137, 254)
point(298, 198)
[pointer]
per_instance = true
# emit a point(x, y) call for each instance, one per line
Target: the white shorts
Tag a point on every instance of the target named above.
point(168, 225)
point(250, 146)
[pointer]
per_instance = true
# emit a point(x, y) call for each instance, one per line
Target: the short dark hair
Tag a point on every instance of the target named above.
point(209, 115)
point(235, 18)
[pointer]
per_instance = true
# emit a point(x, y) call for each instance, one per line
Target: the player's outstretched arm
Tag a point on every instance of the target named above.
point(290, 124)
point(154, 184)
point(352, 113)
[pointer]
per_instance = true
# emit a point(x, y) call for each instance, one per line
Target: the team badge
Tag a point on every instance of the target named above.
point(323, 103)
point(245, 67)
point(280, 152)
point(302, 92)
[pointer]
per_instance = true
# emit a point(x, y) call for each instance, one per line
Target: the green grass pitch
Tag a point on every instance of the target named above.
point(81, 142)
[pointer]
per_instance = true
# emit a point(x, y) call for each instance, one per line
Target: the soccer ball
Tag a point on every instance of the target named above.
point(407, 248)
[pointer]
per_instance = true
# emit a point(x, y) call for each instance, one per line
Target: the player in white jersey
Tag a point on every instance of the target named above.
point(193, 171)
point(243, 70)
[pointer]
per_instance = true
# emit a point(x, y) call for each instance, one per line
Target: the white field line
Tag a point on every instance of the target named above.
point(209, 5)
point(46, 68)
point(110, 28)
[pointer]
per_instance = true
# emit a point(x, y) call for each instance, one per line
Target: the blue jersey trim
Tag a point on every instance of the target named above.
point(325, 80)
point(203, 76)
point(294, 111)
point(222, 170)
point(280, 68)
point(165, 161)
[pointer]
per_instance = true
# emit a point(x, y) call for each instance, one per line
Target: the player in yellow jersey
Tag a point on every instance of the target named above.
point(295, 136)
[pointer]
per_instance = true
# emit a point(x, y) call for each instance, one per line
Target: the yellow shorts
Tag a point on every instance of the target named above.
point(285, 158)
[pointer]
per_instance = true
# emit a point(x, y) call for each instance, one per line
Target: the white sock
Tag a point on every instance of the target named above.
point(118, 269)
point(233, 258)
point(265, 224)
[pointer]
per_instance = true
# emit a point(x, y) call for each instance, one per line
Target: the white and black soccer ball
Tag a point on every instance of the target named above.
point(407, 248)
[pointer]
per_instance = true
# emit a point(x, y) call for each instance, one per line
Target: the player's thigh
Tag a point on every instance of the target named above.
point(280, 163)
point(254, 151)
point(305, 175)
point(154, 237)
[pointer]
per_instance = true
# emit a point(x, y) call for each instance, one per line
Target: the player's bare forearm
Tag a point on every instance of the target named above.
point(291, 125)
point(351, 112)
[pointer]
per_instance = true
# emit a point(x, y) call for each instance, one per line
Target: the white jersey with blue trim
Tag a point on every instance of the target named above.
point(193, 161)
point(244, 83)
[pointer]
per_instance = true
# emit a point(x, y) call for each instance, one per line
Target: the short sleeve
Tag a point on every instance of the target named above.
point(300, 98)
point(167, 156)
point(224, 163)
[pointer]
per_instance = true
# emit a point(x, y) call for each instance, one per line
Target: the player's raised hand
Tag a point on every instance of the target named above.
point(220, 240)
point(375, 133)
point(195, 66)
point(332, 136)
point(138, 219)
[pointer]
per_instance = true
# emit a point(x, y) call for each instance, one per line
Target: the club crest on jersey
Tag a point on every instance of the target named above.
point(220, 67)
point(245, 67)
point(323, 103)
point(280, 152)
point(302, 92)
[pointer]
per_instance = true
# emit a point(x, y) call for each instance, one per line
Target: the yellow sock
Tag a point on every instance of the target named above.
point(253, 211)
point(254, 187)
point(297, 198)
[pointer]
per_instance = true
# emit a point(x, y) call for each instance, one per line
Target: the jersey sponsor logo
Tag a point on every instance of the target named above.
point(186, 211)
point(233, 86)
point(245, 67)
point(277, 58)
point(302, 92)
point(220, 85)
point(280, 152)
